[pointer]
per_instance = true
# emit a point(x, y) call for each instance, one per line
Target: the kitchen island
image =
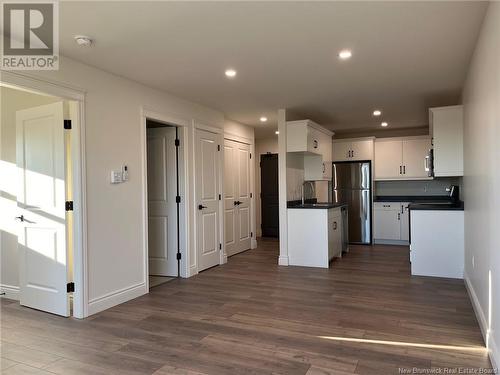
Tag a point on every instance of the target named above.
point(316, 233)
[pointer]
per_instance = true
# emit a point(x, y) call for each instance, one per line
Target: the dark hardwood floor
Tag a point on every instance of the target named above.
point(364, 315)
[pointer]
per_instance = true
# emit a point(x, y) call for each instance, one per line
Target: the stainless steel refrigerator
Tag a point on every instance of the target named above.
point(352, 184)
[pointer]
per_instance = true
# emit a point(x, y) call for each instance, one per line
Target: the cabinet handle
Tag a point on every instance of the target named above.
point(399, 215)
point(404, 169)
point(352, 153)
point(334, 225)
point(315, 142)
point(400, 169)
point(324, 168)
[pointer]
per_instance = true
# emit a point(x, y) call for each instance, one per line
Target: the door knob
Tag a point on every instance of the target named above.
point(201, 207)
point(20, 218)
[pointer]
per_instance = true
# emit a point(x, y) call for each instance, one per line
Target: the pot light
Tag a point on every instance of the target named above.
point(276, 132)
point(263, 119)
point(83, 40)
point(377, 112)
point(384, 124)
point(345, 54)
point(230, 73)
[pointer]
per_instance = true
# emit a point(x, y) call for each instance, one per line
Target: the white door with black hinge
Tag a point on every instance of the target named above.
point(237, 197)
point(207, 166)
point(42, 217)
point(162, 206)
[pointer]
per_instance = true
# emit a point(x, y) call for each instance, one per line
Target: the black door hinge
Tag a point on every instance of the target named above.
point(69, 205)
point(177, 143)
point(70, 287)
point(218, 147)
point(67, 124)
point(178, 199)
point(179, 256)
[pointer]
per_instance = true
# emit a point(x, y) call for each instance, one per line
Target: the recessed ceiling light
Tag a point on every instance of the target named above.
point(276, 132)
point(230, 73)
point(345, 54)
point(83, 40)
point(377, 112)
point(384, 124)
point(263, 119)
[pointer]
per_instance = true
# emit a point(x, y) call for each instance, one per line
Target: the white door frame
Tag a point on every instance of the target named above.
point(182, 126)
point(45, 87)
point(251, 143)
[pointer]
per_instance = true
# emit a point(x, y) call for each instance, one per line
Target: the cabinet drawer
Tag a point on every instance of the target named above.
point(388, 206)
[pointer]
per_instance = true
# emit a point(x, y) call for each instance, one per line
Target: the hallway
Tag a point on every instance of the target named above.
point(364, 315)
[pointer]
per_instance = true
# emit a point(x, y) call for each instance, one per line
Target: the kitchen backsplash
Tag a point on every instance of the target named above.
point(428, 187)
point(294, 176)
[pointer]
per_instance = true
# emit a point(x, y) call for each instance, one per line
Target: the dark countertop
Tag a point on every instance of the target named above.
point(411, 198)
point(313, 204)
point(437, 206)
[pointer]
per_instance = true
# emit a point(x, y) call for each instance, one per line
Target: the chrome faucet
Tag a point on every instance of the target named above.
point(312, 187)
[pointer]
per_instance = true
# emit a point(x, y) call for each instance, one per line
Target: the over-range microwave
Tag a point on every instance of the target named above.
point(429, 163)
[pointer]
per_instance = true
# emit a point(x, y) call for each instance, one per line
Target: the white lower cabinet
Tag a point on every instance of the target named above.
point(314, 236)
point(437, 243)
point(391, 222)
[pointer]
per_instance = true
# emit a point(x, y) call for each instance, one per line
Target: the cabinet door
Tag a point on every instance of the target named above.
point(405, 222)
point(325, 146)
point(313, 140)
point(341, 151)
point(388, 160)
point(414, 153)
point(387, 224)
point(362, 150)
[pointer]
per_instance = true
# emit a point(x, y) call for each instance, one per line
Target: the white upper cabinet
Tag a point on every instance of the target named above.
point(308, 137)
point(401, 158)
point(353, 149)
point(447, 131)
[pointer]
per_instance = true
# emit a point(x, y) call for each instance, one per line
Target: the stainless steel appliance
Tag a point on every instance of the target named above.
point(345, 229)
point(429, 163)
point(351, 184)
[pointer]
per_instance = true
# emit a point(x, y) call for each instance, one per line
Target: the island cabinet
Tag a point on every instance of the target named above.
point(391, 223)
point(314, 236)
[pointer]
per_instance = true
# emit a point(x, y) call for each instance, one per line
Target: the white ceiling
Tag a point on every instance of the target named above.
point(407, 56)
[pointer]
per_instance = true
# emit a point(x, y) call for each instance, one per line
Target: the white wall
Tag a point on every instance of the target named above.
point(481, 98)
point(115, 237)
point(11, 101)
point(262, 147)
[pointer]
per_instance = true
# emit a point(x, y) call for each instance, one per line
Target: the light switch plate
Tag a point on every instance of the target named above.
point(116, 177)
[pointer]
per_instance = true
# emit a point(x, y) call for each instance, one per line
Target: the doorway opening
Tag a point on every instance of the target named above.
point(163, 202)
point(269, 195)
point(40, 201)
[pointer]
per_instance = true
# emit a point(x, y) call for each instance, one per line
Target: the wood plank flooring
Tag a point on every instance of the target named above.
point(364, 315)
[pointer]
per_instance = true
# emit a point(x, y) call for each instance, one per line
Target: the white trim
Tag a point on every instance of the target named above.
point(65, 92)
point(208, 128)
point(117, 297)
point(390, 242)
point(182, 125)
point(11, 292)
point(483, 323)
point(282, 192)
point(238, 138)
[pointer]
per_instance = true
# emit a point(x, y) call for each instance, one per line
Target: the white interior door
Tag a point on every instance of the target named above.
point(243, 196)
point(207, 198)
point(237, 219)
point(162, 207)
point(43, 270)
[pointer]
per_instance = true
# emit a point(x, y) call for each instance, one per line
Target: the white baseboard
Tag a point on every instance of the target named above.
point(391, 242)
point(115, 298)
point(283, 260)
point(254, 244)
point(483, 324)
point(11, 292)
